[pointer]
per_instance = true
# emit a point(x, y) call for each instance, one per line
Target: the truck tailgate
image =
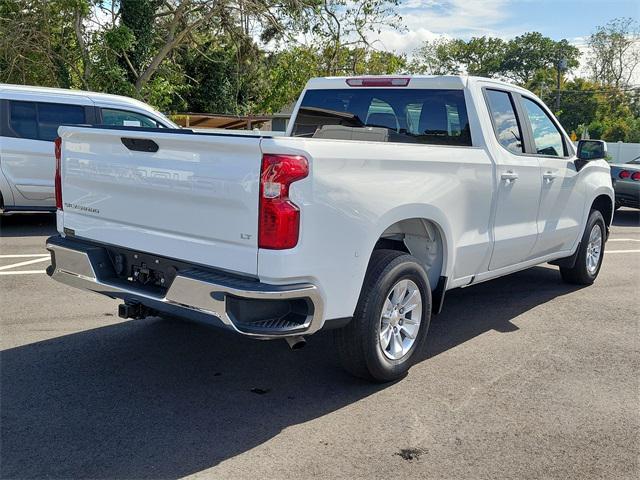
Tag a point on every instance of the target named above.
point(194, 199)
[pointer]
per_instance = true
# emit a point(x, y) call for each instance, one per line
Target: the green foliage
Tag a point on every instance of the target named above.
point(202, 55)
point(137, 16)
point(527, 54)
point(438, 57)
point(579, 104)
point(483, 56)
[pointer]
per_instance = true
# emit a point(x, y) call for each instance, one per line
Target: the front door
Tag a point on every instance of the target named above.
point(519, 182)
point(561, 200)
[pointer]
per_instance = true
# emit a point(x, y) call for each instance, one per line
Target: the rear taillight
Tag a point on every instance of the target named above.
point(378, 82)
point(58, 177)
point(636, 176)
point(279, 217)
point(624, 174)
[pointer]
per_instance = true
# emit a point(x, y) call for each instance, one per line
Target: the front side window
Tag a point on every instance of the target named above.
point(40, 121)
point(505, 121)
point(427, 116)
point(546, 136)
point(123, 118)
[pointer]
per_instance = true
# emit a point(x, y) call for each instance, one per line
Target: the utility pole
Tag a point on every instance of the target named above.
point(561, 66)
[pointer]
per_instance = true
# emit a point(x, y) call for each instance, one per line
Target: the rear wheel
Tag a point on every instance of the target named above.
point(389, 328)
point(591, 253)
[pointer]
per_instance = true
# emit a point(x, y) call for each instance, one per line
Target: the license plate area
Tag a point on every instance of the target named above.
point(146, 271)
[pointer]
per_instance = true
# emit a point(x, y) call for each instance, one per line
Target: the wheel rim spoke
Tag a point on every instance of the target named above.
point(385, 337)
point(397, 344)
point(408, 332)
point(399, 291)
point(387, 309)
point(410, 300)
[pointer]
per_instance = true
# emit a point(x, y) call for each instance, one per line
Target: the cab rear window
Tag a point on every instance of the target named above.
point(428, 116)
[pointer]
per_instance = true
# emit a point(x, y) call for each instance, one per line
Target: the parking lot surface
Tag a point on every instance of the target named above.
point(525, 377)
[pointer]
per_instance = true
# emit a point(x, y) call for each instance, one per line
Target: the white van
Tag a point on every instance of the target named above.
point(29, 121)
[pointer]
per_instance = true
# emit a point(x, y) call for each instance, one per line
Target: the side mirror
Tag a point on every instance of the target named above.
point(592, 150)
point(589, 150)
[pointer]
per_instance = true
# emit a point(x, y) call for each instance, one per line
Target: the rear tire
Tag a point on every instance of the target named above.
point(591, 253)
point(394, 306)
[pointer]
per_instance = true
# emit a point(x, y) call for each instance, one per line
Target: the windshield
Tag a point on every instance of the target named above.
point(635, 161)
point(427, 116)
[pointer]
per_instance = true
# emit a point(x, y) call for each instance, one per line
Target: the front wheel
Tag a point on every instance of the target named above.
point(389, 328)
point(590, 254)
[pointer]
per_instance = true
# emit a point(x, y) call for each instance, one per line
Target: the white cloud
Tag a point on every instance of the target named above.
point(429, 19)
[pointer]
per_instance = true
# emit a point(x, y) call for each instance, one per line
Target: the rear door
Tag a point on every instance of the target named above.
point(518, 183)
point(26, 151)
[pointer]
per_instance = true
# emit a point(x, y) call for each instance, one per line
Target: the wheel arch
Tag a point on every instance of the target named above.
point(421, 237)
point(604, 204)
point(426, 239)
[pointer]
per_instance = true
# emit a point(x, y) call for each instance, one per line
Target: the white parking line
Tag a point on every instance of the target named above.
point(25, 255)
point(23, 272)
point(621, 251)
point(21, 264)
point(624, 240)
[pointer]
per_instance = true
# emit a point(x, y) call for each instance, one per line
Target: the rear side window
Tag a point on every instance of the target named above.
point(426, 116)
point(52, 115)
point(505, 121)
point(40, 121)
point(123, 118)
point(23, 118)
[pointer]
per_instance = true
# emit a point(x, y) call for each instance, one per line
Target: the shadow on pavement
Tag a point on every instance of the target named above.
point(27, 225)
point(469, 312)
point(626, 217)
point(162, 399)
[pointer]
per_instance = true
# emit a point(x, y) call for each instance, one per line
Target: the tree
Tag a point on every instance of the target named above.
point(38, 42)
point(615, 52)
point(438, 57)
point(338, 24)
point(531, 52)
point(579, 103)
point(288, 71)
point(482, 56)
point(138, 16)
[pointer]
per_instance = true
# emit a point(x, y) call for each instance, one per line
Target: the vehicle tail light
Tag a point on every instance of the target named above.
point(378, 82)
point(636, 176)
point(58, 176)
point(624, 174)
point(279, 217)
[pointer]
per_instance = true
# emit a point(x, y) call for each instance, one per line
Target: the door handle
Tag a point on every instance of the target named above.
point(140, 144)
point(549, 176)
point(509, 176)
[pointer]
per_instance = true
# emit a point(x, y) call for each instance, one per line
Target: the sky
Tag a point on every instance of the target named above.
point(574, 20)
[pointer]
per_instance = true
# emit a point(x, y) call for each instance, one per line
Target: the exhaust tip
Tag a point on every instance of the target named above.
point(296, 343)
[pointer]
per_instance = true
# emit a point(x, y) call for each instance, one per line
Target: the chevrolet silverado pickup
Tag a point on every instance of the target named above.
point(383, 194)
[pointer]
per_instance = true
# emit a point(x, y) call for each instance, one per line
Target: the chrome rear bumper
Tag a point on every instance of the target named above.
point(87, 266)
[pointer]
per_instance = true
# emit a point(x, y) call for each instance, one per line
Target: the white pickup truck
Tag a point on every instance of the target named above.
point(384, 193)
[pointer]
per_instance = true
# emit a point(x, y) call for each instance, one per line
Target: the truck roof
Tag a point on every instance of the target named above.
point(414, 81)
